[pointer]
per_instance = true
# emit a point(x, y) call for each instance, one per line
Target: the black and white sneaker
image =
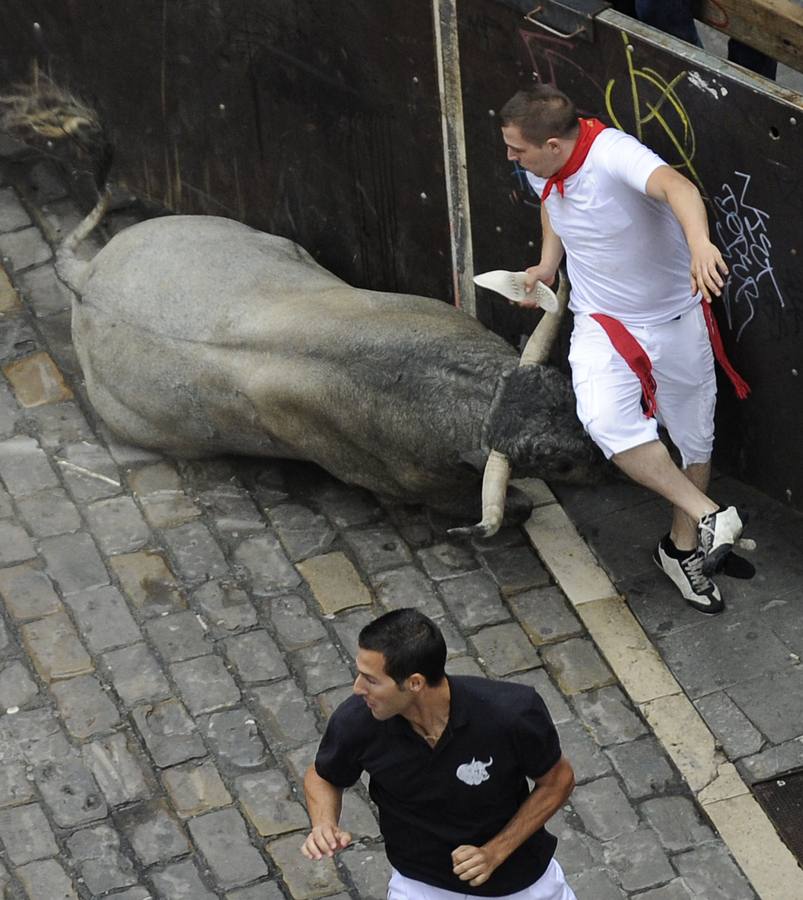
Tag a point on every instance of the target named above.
point(686, 571)
point(716, 534)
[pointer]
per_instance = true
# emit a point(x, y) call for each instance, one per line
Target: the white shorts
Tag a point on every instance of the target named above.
point(550, 886)
point(609, 393)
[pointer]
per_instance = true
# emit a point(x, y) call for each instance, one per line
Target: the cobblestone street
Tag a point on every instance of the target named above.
point(174, 635)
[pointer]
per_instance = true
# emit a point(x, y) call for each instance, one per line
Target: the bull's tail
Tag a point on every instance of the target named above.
point(46, 116)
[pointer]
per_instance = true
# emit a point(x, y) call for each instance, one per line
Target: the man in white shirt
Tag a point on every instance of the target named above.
point(643, 271)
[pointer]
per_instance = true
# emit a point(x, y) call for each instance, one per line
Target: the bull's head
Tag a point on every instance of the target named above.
point(498, 465)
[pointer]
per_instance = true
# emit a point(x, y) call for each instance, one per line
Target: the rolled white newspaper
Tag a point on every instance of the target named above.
point(511, 285)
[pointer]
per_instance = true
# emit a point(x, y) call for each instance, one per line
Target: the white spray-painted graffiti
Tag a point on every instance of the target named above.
point(746, 246)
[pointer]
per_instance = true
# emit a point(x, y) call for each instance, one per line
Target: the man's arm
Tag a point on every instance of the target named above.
point(477, 864)
point(551, 255)
point(707, 264)
point(324, 802)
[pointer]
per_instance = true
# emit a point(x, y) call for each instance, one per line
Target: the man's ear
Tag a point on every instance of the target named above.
point(416, 682)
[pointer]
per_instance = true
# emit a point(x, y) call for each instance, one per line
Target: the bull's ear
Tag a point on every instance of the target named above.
point(476, 459)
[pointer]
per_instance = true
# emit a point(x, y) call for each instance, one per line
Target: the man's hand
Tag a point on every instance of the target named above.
point(473, 864)
point(707, 270)
point(325, 840)
point(533, 274)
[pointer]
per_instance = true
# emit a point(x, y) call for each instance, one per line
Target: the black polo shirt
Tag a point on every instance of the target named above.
point(462, 791)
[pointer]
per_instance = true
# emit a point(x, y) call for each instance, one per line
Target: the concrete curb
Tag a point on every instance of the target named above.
point(718, 788)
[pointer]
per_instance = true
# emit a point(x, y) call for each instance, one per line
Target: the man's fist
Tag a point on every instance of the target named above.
point(325, 840)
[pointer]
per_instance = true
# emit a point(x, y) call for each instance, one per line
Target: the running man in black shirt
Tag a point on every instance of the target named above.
point(448, 759)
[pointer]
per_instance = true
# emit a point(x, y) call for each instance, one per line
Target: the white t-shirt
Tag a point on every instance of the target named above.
point(626, 254)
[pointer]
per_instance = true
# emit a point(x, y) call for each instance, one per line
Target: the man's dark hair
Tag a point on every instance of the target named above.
point(410, 643)
point(540, 113)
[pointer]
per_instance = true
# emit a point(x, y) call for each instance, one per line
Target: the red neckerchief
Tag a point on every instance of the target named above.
point(640, 364)
point(589, 131)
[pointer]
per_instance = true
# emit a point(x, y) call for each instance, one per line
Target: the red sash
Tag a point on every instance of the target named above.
point(640, 364)
point(589, 131)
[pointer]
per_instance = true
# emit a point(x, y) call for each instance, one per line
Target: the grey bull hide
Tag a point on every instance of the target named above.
point(198, 335)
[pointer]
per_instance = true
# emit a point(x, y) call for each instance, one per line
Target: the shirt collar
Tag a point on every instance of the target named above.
point(458, 710)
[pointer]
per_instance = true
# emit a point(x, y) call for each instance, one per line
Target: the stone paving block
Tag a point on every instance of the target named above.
point(134, 893)
point(539, 680)
point(377, 547)
point(84, 706)
point(34, 736)
point(54, 648)
point(587, 759)
point(27, 592)
point(675, 890)
point(294, 626)
point(329, 701)
point(447, 560)
point(596, 884)
point(17, 337)
point(265, 890)
point(103, 867)
point(195, 788)
point(639, 860)
point(609, 717)
point(407, 586)
point(205, 684)
point(348, 627)
point(515, 569)
point(15, 545)
point(464, 665)
point(711, 873)
point(302, 532)
point(198, 556)
point(178, 636)
point(473, 600)
point(124, 454)
point(21, 249)
point(12, 212)
point(9, 300)
point(305, 879)
point(26, 834)
point(153, 831)
point(232, 509)
point(576, 852)
point(357, 813)
point(70, 792)
point(643, 768)
point(576, 666)
point(46, 880)
point(677, 822)
point(161, 495)
point(335, 583)
point(24, 467)
point(604, 809)
point(117, 525)
point(505, 649)
point(136, 675)
point(36, 380)
point(16, 686)
point(545, 616)
point(116, 769)
point(269, 804)
point(148, 582)
point(346, 506)
point(57, 336)
point(223, 840)
point(43, 291)
point(89, 472)
point(57, 424)
point(169, 733)
point(321, 667)
point(255, 657)
point(73, 562)
point(225, 608)
point(713, 656)
point(235, 739)
point(730, 725)
point(181, 881)
point(15, 788)
point(103, 618)
point(369, 870)
point(773, 703)
point(772, 761)
point(49, 512)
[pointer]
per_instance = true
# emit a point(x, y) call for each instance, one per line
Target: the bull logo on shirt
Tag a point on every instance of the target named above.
point(474, 772)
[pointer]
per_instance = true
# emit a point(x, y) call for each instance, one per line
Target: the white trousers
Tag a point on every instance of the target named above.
point(550, 886)
point(609, 393)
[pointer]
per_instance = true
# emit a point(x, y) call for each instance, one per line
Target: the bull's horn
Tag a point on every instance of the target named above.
point(497, 469)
